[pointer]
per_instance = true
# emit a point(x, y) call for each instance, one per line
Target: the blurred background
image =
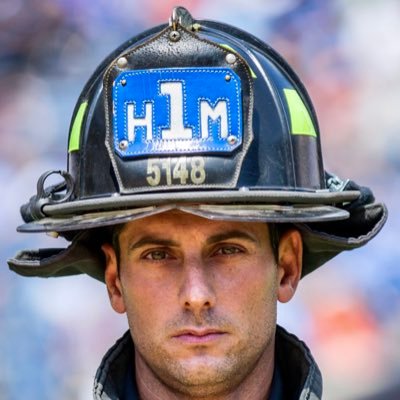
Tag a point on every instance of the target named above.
point(53, 334)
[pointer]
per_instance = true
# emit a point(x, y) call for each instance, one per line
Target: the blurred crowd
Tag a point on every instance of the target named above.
point(54, 333)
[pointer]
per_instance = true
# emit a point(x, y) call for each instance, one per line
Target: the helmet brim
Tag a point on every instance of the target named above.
point(262, 206)
point(249, 212)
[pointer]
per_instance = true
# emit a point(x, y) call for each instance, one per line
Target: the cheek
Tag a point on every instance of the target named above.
point(252, 293)
point(254, 279)
point(261, 299)
point(260, 313)
point(147, 300)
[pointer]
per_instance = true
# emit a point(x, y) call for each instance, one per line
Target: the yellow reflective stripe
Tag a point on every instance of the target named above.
point(300, 119)
point(75, 135)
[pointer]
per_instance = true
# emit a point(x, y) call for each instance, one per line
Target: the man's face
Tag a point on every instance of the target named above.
point(200, 297)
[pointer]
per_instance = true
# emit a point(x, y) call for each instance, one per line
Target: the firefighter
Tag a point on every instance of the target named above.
point(196, 191)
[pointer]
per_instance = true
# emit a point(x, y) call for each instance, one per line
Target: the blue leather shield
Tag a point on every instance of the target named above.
point(175, 110)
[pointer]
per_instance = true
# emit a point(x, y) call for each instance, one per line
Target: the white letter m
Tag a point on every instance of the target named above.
point(219, 111)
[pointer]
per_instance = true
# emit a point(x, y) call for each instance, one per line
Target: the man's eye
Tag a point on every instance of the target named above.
point(228, 250)
point(157, 255)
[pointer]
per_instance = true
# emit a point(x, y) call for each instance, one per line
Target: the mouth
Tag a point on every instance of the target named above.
point(199, 336)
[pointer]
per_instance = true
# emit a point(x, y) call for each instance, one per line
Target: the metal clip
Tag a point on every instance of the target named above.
point(52, 194)
point(174, 19)
point(334, 183)
point(33, 210)
point(180, 17)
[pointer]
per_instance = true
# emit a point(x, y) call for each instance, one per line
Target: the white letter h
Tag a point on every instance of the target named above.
point(146, 121)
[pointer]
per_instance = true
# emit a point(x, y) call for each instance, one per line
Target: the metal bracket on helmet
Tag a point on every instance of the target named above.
point(334, 183)
point(34, 209)
point(181, 17)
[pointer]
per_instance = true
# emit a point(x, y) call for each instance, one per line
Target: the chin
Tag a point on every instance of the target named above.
point(201, 375)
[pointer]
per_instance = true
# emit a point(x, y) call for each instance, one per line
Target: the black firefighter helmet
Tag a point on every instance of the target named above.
point(202, 117)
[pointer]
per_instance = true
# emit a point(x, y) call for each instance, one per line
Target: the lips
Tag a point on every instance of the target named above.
point(199, 336)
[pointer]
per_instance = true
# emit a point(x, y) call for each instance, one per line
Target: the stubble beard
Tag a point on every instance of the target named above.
point(212, 376)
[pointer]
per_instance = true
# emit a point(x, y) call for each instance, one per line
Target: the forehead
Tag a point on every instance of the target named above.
point(175, 222)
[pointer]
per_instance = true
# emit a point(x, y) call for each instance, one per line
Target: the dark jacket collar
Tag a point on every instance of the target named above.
point(300, 376)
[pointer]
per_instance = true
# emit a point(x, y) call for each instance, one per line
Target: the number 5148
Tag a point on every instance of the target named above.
point(176, 171)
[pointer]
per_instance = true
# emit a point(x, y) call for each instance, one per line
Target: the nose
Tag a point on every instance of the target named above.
point(197, 287)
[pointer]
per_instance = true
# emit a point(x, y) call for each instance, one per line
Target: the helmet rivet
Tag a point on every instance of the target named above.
point(174, 36)
point(122, 62)
point(230, 58)
point(232, 140)
point(123, 144)
point(227, 78)
point(123, 82)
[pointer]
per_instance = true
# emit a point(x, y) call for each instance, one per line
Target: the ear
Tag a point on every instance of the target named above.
point(290, 261)
point(112, 279)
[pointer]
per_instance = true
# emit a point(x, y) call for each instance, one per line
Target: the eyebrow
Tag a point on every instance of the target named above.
point(233, 234)
point(151, 240)
point(219, 237)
